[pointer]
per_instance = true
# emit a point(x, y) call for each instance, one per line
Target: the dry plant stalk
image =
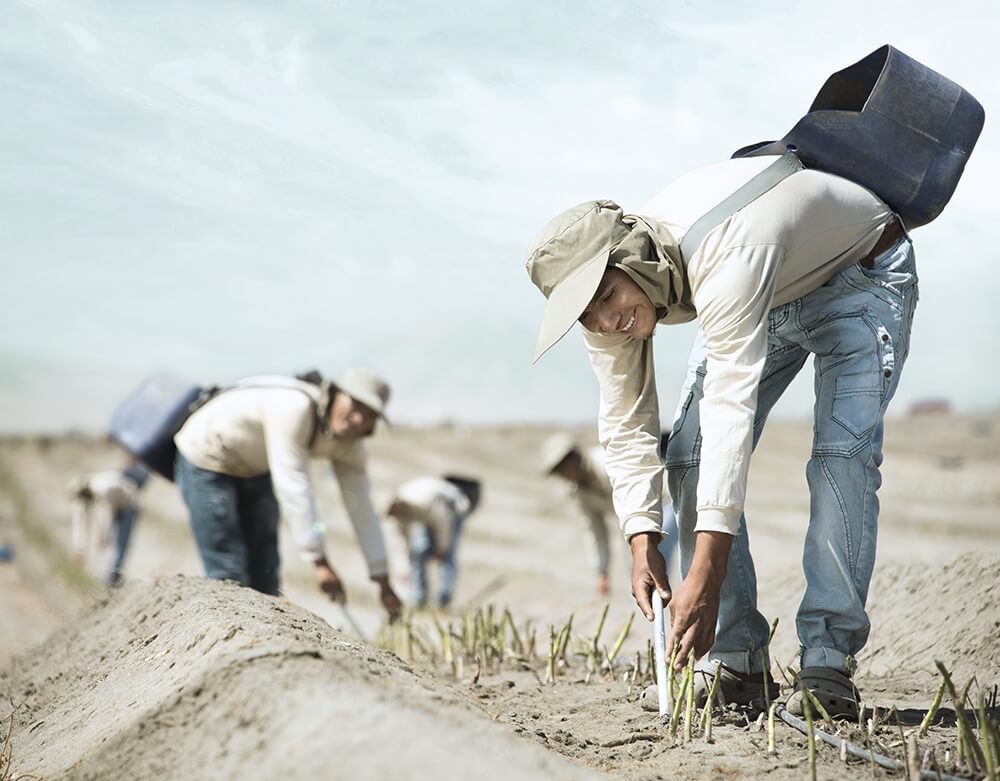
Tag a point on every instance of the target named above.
point(912, 759)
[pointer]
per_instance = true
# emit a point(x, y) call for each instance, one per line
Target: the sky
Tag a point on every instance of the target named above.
point(218, 189)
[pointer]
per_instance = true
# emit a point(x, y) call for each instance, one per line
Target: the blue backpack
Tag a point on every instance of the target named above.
point(145, 421)
point(890, 124)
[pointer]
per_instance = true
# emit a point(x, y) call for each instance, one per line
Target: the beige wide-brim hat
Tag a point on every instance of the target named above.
point(568, 263)
point(365, 386)
point(554, 450)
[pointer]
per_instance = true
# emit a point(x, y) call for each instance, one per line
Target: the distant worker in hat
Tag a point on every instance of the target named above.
point(104, 508)
point(243, 459)
point(816, 265)
point(431, 512)
point(583, 471)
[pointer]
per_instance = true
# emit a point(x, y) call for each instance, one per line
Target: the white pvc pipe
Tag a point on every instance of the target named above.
point(660, 652)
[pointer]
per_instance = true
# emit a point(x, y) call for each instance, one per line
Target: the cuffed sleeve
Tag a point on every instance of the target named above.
point(640, 524)
point(719, 519)
point(629, 427)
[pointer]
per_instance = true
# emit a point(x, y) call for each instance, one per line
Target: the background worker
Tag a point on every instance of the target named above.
point(431, 512)
point(585, 476)
point(104, 507)
point(245, 454)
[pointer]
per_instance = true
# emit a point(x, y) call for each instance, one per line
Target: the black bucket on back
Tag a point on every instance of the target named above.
point(892, 125)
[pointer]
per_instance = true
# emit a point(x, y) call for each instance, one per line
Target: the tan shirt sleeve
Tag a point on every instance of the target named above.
point(352, 475)
point(733, 293)
point(629, 428)
point(287, 430)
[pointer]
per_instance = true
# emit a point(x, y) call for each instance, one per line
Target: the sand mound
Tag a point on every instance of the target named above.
point(189, 678)
point(921, 613)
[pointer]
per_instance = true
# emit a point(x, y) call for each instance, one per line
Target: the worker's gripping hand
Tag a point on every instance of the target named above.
point(329, 582)
point(390, 601)
point(649, 571)
point(695, 609)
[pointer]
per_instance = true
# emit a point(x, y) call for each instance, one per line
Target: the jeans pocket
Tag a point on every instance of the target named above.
point(857, 402)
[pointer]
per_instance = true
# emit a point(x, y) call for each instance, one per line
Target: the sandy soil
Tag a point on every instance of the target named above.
point(173, 676)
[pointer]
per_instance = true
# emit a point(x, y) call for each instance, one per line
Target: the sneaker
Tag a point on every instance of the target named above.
point(833, 688)
point(734, 687)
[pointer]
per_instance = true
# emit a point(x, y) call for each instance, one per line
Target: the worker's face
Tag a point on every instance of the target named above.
point(570, 468)
point(619, 306)
point(350, 419)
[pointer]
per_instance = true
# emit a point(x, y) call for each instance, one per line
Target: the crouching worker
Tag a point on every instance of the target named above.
point(817, 265)
point(585, 476)
point(431, 512)
point(244, 456)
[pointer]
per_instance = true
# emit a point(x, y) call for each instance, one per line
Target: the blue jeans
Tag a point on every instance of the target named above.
point(858, 327)
point(122, 524)
point(235, 525)
point(669, 543)
point(422, 547)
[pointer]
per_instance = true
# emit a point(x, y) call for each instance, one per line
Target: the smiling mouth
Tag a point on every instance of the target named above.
point(631, 322)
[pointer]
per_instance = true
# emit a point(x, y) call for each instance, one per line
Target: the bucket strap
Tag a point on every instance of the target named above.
point(783, 167)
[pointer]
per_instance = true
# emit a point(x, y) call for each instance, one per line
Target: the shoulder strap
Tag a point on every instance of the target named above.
point(317, 419)
point(783, 167)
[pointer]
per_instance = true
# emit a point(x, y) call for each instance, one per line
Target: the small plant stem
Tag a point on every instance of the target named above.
point(912, 758)
point(966, 739)
point(553, 649)
point(675, 705)
point(564, 635)
point(600, 628)
point(932, 711)
point(689, 709)
point(771, 748)
point(987, 736)
point(811, 737)
point(620, 640)
point(709, 705)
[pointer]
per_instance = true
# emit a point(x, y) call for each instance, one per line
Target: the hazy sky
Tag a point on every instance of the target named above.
point(217, 189)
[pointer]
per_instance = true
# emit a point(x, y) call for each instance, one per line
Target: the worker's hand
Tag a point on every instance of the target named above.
point(649, 571)
point(603, 588)
point(695, 609)
point(390, 601)
point(329, 582)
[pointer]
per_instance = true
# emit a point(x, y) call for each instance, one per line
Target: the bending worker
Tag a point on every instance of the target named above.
point(114, 495)
point(583, 472)
point(245, 454)
point(817, 265)
point(431, 512)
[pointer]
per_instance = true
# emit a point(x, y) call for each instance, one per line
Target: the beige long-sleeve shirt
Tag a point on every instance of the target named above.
point(594, 498)
point(90, 519)
point(266, 425)
point(434, 502)
point(785, 244)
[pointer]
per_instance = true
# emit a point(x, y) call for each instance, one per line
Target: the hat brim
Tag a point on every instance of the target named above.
point(567, 301)
point(370, 400)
